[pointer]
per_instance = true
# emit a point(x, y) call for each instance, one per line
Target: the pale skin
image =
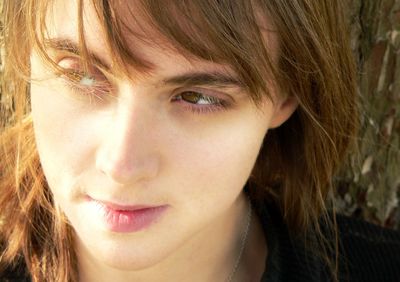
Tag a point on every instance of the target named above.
point(139, 145)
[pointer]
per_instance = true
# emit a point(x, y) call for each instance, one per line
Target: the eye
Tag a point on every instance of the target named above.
point(197, 98)
point(199, 103)
point(91, 82)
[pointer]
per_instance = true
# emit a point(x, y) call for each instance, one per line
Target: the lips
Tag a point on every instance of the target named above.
point(126, 218)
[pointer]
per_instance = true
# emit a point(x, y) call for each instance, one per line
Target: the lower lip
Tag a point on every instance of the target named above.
point(127, 221)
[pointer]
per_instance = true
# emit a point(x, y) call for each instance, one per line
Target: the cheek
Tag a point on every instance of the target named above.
point(221, 160)
point(63, 142)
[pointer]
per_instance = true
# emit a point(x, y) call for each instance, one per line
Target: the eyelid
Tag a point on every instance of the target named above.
point(96, 68)
point(74, 63)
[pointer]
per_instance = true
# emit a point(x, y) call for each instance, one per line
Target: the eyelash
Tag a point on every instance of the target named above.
point(103, 88)
point(73, 79)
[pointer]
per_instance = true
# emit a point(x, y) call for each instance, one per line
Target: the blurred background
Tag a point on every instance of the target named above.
point(369, 185)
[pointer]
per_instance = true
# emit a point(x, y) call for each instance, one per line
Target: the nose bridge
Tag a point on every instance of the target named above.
point(126, 152)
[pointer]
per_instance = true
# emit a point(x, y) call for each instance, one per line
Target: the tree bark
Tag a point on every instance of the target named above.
point(369, 186)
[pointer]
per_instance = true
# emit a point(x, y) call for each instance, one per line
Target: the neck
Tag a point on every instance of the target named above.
point(252, 265)
point(209, 256)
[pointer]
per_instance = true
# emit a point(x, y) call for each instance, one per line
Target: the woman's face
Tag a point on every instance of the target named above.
point(109, 145)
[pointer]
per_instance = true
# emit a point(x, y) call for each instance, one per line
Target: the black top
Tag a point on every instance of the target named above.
point(368, 253)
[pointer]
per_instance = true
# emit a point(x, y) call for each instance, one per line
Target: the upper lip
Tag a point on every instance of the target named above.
point(122, 207)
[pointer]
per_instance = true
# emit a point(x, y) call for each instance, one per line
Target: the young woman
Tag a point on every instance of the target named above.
point(179, 141)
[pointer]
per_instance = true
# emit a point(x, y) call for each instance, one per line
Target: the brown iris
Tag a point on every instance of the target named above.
point(191, 97)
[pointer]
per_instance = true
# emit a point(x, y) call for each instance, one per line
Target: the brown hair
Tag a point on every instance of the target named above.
point(297, 161)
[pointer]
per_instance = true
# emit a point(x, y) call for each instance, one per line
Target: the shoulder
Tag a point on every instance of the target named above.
point(367, 252)
point(365, 232)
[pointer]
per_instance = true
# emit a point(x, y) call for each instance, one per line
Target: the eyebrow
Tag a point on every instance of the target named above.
point(204, 78)
point(212, 78)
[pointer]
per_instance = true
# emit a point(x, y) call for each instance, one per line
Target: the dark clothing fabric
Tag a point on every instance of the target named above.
point(367, 253)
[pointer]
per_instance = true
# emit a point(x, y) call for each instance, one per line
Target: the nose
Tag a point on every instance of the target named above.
point(127, 152)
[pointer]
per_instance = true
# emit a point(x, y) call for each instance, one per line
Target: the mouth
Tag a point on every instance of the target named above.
point(126, 218)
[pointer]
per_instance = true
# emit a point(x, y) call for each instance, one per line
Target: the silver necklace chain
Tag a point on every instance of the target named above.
point(243, 242)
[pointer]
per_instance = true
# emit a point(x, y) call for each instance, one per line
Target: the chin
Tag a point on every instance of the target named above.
point(129, 259)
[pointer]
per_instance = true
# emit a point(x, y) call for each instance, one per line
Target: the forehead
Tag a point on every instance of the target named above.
point(141, 35)
point(62, 20)
point(142, 40)
point(140, 21)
